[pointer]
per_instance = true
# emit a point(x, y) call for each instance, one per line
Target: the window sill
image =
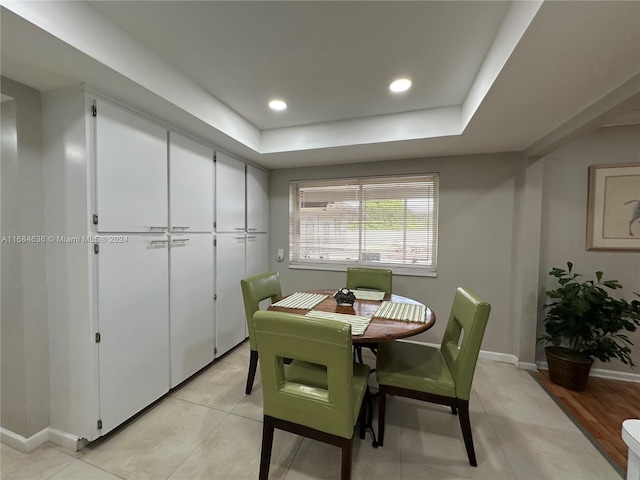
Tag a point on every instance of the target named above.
point(397, 270)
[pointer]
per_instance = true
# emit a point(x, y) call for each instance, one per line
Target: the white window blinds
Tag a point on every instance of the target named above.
point(365, 221)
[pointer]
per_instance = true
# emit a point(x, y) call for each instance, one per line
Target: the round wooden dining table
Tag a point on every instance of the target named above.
point(379, 329)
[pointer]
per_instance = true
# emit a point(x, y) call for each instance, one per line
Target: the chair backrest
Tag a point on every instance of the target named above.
point(256, 289)
point(468, 318)
point(373, 278)
point(317, 341)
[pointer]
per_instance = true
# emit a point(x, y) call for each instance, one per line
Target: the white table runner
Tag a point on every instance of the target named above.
point(368, 295)
point(358, 323)
point(402, 311)
point(304, 301)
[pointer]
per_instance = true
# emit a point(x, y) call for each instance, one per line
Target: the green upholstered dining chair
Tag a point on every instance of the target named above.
point(320, 394)
point(438, 375)
point(380, 279)
point(255, 289)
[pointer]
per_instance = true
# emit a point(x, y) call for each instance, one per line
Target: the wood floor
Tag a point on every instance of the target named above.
point(600, 410)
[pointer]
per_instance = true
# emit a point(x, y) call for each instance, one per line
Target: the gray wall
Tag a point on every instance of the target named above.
point(478, 216)
point(25, 336)
point(564, 218)
point(504, 223)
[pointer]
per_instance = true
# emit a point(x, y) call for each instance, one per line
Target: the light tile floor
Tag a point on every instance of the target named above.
point(208, 429)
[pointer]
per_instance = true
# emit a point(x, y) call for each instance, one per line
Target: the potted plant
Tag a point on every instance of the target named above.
point(583, 323)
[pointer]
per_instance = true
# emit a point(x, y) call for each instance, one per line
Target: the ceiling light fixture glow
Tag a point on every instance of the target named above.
point(278, 105)
point(400, 85)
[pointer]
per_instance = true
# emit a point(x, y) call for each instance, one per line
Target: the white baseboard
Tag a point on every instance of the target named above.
point(484, 354)
point(527, 366)
point(498, 357)
point(65, 440)
point(25, 445)
point(513, 360)
point(603, 373)
point(22, 444)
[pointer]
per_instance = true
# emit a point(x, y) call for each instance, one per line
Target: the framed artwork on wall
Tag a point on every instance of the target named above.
point(613, 219)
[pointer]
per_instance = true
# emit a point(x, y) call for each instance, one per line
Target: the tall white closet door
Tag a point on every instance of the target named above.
point(257, 259)
point(133, 321)
point(191, 304)
point(190, 185)
point(131, 172)
point(230, 194)
point(230, 267)
point(257, 200)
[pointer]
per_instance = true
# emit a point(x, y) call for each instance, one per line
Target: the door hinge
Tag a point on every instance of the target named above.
point(215, 296)
point(94, 110)
point(215, 224)
point(215, 242)
point(98, 337)
point(215, 350)
point(99, 424)
point(215, 157)
point(95, 219)
point(96, 248)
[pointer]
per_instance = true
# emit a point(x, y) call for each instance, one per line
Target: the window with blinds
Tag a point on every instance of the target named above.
point(376, 221)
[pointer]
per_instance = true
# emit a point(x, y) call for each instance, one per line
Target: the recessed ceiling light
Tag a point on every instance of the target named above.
point(400, 85)
point(278, 105)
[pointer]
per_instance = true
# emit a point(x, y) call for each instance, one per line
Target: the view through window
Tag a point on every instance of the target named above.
point(375, 221)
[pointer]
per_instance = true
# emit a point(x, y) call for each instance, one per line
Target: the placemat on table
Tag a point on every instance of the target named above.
point(368, 295)
point(358, 323)
point(302, 300)
point(402, 311)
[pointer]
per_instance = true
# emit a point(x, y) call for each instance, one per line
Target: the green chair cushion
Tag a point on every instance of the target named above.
point(415, 367)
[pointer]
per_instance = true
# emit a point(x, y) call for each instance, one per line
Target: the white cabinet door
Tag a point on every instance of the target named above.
point(257, 256)
point(230, 268)
point(257, 260)
point(131, 172)
point(190, 185)
point(230, 194)
point(257, 200)
point(191, 292)
point(133, 321)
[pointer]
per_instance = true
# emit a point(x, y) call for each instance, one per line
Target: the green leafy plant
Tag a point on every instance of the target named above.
point(585, 320)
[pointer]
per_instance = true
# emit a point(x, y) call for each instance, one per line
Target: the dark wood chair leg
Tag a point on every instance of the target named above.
point(367, 407)
point(267, 443)
point(382, 400)
point(465, 424)
point(345, 473)
point(362, 422)
point(253, 365)
point(359, 352)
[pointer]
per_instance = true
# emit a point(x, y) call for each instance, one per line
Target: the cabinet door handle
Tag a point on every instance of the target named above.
point(179, 228)
point(252, 229)
point(155, 243)
point(241, 237)
point(251, 236)
point(158, 229)
point(179, 240)
point(239, 228)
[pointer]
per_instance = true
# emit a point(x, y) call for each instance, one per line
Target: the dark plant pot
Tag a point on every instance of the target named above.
point(566, 370)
